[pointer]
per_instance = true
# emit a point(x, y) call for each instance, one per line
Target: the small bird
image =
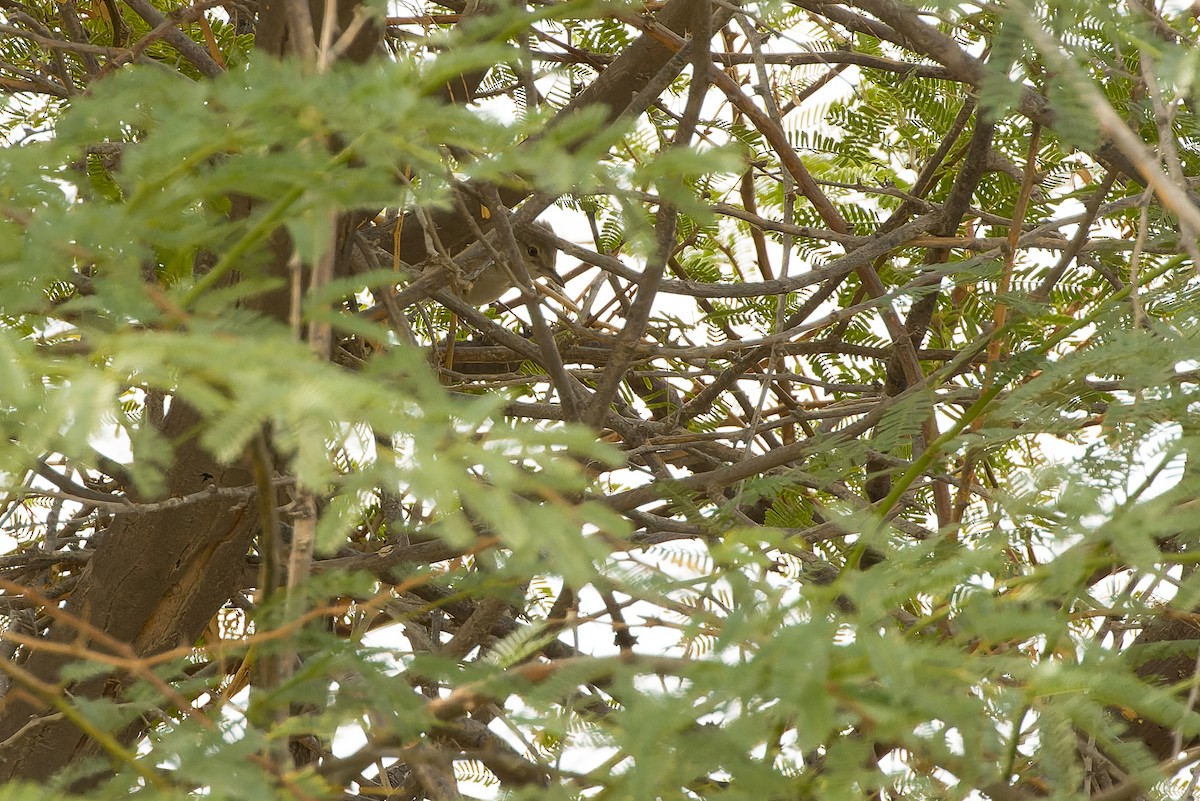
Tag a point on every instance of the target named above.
point(495, 280)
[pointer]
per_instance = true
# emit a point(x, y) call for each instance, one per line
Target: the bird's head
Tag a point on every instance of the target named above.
point(541, 260)
point(494, 280)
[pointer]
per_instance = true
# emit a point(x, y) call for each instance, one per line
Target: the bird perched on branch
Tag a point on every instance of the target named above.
point(496, 279)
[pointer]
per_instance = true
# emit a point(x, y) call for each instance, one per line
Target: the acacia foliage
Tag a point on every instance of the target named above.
point(857, 459)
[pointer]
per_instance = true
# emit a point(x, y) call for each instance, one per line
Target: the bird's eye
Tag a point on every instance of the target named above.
point(532, 250)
